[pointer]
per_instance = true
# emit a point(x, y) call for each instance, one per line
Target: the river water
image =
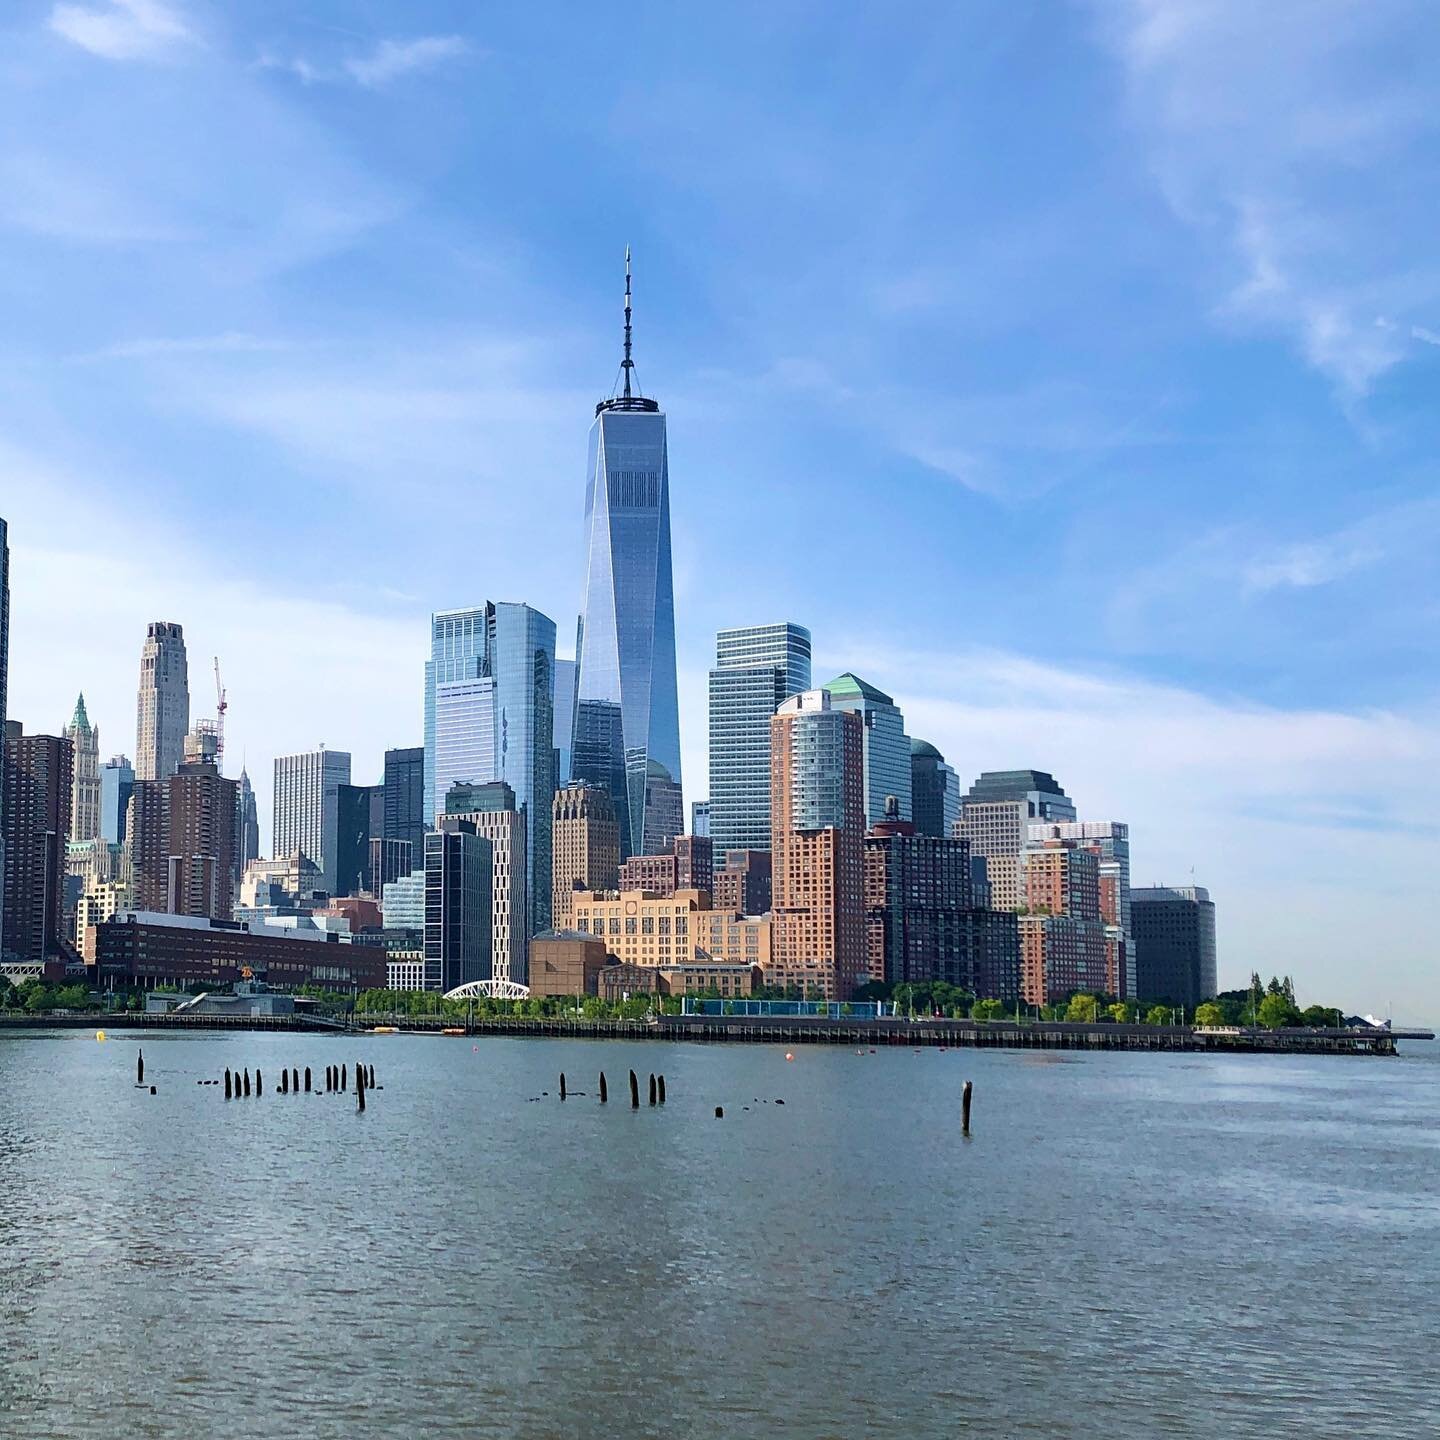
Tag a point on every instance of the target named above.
point(1129, 1245)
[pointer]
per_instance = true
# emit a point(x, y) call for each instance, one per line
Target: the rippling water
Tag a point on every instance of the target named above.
point(1129, 1246)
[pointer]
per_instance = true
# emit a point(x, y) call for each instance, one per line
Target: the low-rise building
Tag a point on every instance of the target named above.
point(728, 981)
point(735, 939)
point(566, 962)
point(641, 928)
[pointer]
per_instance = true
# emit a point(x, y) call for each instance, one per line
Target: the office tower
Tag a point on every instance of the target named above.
point(995, 817)
point(306, 809)
point(458, 870)
point(756, 667)
point(491, 810)
point(84, 740)
point(934, 790)
point(887, 746)
point(405, 798)
point(741, 882)
point(183, 845)
point(389, 860)
point(664, 806)
point(923, 920)
point(36, 788)
point(564, 722)
point(402, 901)
point(1174, 930)
point(163, 705)
point(817, 828)
point(247, 825)
point(1062, 936)
point(489, 695)
point(117, 780)
point(586, 846)
point(700, 818)
point(1110, 842)
point(4, 682)
point(626, 710)
point(360, 816)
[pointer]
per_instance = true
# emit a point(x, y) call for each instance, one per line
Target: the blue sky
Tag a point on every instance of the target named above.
point(1069, 369)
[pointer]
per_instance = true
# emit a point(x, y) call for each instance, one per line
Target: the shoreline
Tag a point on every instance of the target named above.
point(759, 1030)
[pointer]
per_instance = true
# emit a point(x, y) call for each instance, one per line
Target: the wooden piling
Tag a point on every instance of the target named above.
point(258, 1090)
point(652, 1087)
point(662, 1088)
point(307, 1079)
point(140, 1068)
point(344, 1079)
point(227, 1082)
point(370, 1076)
point(719, 1112)
point(562, 1084)
point(294, 1079)
point(604, 1093)
point(360, 1089)
point(634, 1092)
point(965, 1108)
point(247, 1084)
point(152, 1089)
point(284, 1082)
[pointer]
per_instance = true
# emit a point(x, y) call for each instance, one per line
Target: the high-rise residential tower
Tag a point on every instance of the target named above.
point(405, 797)
point(458, 907)
point(1109, 840)
point(756, 667)
point(491, 809)
point(817, 829)
point(307, 809)
point(35, 785)
point(163, 704)
point(627, 720)
point(183, 847)
point(4, 682)
point(489, 699)
point(887, 746)
point(84, 739)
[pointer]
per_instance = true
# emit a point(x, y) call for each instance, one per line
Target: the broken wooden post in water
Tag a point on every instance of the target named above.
point(652, 1087)
point(140, 1068)
point(719, 1112)
point(562, 1084)
point(604, 1093)
point(965, 1109)
point(247, 1084)
point(359, 1089)
point(344, 1079)
point(662, 1089)
point(227, 1082)
point(634, 1092)
point(307, 1079)
point(284, 1082)
point(258, 1090)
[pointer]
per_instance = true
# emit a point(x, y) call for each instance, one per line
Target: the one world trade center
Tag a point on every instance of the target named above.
point(627, 725)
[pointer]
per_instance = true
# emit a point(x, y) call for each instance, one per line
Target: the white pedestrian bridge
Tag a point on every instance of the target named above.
point(489, 990)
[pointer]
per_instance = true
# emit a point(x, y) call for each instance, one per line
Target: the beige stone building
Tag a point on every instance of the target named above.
point(585, 847)
point(642, 928)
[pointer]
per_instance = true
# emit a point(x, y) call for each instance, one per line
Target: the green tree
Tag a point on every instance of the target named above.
point(1275, 1010)
point(38, 999)
point(1082, 1008)
point(1119, 1012)
point(1157, 1015)
point(988, 1010)
point(1209, 1014)
point(72, 997)
point(1320, 1016)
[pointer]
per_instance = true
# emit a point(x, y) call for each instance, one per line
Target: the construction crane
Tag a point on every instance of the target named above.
point(220, 708)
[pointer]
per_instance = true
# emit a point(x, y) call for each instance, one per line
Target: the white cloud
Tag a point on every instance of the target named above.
point(230, 342)
point(1279, 129)
point(125, 30)
point(1303, 566)
point(1420, 332)
point(393, 58)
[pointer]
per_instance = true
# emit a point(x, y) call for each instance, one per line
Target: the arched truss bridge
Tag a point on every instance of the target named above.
point(489, 990)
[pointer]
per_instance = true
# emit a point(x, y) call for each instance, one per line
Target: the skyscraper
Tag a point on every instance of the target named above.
point(183, 847)
point(564, 725)
point(84, 739)
point(1110, 842)
point(817, 828)
point(491, 809)
point(995, 817)
point(1174, 943)
point(934, 791)
point(586, 846)
point(117, 781)
point(4, 681)
point(458, 870)
point(405, 797)
point(36, 805)
point(490, 687)
point(247, 825)
point(626, 711)
point(306, 809)
point(756, 667)
point(163, 704)
point(887, 746)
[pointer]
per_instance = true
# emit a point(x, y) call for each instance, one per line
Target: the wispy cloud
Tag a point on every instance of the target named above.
point(231, 342)
point(1278, 128)
point(1301, 567)
point(393, 58)
point(122, 29)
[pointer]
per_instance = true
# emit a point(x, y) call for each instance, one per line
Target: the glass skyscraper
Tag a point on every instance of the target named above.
point(887, 746)
point(756, 668)
point(489, 715)
point(627, 723)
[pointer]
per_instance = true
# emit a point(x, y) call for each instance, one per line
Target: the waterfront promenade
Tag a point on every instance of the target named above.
point(716, 1029)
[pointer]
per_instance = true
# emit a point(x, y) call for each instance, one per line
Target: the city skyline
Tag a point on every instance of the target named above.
point(1230, 520)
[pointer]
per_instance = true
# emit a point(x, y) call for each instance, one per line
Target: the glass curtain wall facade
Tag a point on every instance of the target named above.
point(404, 782)
point(489, 715)
point(626, 710)
point(935, 791)
point(887, 746)
point(564, 719)
point(756, 668)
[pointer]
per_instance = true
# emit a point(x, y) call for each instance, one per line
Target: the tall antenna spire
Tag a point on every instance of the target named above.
point(627, 364)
